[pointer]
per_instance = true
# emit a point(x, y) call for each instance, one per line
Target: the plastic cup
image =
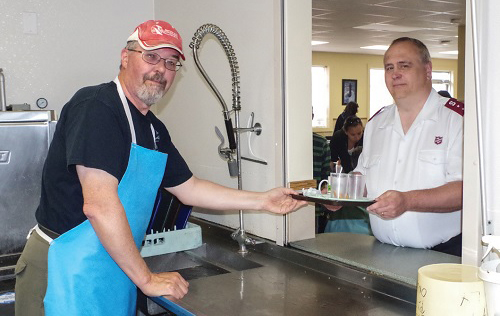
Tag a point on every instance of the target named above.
point(339, 185)
point(356, 186)
point(491, 279)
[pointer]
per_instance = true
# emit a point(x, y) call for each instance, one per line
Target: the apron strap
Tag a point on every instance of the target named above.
point(126, 108)
point(129, 115)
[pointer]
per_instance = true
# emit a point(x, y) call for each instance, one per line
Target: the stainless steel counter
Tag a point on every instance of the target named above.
point(273, 280)
point(367, 253)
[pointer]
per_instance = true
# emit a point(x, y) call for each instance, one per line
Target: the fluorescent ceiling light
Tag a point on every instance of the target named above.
point(318, 42)
point(388, 27)
point(451, 52)
point(376, 47)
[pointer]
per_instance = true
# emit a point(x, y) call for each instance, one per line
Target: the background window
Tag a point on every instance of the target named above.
point(441, 80)
point(320, 96)
point(379, 95)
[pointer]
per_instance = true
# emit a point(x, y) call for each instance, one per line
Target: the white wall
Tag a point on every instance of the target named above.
point(77, 43)
point(191, 109)
point(489, 45)
point(298, 61)
point(471, 223)
point(488, 81)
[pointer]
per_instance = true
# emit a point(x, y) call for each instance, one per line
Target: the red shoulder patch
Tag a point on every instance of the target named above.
point(456, 106)
point(381, 109)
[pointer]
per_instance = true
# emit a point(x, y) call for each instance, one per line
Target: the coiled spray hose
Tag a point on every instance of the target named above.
point(233, 63)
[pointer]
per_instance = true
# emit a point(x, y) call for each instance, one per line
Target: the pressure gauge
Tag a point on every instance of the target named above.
point(42, 103)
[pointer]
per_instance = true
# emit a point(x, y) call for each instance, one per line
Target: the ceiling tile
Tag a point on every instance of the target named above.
point(335, 21)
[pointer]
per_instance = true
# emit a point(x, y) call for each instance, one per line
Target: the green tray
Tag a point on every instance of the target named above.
point(325, 199)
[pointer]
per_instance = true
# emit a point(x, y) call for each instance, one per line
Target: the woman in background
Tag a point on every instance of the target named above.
point(347, 143)
point(350, 109)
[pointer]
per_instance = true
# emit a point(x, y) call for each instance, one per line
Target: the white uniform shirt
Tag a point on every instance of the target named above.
point(428, 156)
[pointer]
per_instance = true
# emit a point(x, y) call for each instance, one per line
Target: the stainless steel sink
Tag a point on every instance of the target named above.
point(202, 262)
point(228, 259)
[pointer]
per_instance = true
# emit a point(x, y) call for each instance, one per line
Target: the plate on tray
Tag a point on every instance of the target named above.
point(326, 199)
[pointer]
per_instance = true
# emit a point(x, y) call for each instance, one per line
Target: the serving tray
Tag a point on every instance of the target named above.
point(326, 199)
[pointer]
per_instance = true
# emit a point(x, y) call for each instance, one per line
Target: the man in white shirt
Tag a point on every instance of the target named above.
point(412, 157)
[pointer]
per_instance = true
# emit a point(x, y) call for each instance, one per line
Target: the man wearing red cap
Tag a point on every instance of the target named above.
point(108, 159)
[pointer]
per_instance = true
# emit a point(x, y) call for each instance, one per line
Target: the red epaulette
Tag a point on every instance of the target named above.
point(382, 109)
point(456, 106)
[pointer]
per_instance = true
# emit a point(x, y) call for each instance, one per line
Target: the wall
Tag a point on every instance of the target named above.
point(77, 43)
point(357, 66)
point(191, 110)
point(297, 85)
point(471, 222)
point(488, 83)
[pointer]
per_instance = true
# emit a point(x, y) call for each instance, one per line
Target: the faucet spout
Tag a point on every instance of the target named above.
point(243, 240)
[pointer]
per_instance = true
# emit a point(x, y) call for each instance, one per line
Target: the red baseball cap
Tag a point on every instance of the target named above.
point(155, 34)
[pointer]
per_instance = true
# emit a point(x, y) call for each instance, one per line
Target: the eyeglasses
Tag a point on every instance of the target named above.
point(154, 58)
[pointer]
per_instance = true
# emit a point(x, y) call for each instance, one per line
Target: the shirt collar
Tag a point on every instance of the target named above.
point(429, 111)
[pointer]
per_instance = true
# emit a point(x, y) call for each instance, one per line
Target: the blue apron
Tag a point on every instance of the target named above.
point(83, 279)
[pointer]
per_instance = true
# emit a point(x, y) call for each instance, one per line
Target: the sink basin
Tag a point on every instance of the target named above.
point(193, 263)
point(229, 259)
point(204, 261)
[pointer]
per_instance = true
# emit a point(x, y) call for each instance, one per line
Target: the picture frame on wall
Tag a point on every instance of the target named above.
point(349, 91)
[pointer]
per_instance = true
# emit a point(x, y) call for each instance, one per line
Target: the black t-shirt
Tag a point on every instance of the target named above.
point(93, 131)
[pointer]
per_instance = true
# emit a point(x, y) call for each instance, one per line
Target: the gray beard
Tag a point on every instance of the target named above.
point(149, 95)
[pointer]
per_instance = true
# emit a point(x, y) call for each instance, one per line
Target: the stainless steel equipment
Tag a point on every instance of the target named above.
point(3, 100)
point(24, 143)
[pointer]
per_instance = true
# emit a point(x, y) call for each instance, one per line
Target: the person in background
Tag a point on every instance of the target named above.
point(347, 143)
point(109, 157)
point(444, 93)
point(321, 171)
point(350, 109)
point(346, 146)
point(412, 157)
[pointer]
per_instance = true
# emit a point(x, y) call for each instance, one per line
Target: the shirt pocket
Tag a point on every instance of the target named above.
point(20, 267)
point(432, 168)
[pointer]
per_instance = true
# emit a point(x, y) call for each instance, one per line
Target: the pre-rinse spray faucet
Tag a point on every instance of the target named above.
point(233, 134)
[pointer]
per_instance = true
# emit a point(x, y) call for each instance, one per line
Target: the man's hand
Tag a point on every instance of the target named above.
point(169, 284)
point(279, 201)
point(389, 205)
